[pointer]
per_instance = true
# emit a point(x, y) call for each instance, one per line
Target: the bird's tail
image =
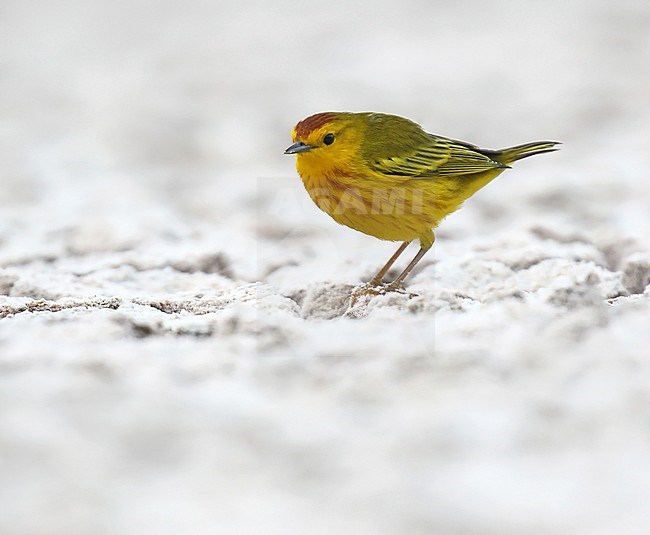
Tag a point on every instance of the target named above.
point(512, 154)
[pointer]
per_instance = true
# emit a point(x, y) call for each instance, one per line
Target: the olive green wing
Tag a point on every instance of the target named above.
point(429, 156)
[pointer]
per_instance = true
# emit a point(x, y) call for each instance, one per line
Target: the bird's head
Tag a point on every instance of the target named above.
point(328, 140)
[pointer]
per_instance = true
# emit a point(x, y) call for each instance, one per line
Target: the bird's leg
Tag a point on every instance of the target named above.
point(377, 280)
point(377, 286)
point(397, 283)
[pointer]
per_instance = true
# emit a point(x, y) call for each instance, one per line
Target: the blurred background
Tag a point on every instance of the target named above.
point(141, 157)
point(123, 122)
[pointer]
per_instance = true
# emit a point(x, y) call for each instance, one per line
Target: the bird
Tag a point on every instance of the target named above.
point(385, 176)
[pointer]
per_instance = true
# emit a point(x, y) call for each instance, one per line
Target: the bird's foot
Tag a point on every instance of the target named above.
point(377, 287)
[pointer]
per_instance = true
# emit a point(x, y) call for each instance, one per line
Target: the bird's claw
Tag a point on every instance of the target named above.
point(396, 286)
point(375, 287)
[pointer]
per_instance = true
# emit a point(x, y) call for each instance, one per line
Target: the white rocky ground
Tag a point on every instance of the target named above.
point(177, 350)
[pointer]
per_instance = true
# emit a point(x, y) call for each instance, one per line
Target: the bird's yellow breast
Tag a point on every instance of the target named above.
point(385, 209)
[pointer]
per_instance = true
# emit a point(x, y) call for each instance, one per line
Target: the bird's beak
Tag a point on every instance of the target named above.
point(298, 147)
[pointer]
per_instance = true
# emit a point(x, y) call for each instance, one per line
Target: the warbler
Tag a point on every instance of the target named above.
point(383, 175)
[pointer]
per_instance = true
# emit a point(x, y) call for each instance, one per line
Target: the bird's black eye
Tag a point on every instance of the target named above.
point(328, 139)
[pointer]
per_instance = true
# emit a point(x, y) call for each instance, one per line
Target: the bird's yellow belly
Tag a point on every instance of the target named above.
point(389, 212)
point(397, 210)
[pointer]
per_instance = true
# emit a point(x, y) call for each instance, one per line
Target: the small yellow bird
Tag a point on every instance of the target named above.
point(383, 175)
